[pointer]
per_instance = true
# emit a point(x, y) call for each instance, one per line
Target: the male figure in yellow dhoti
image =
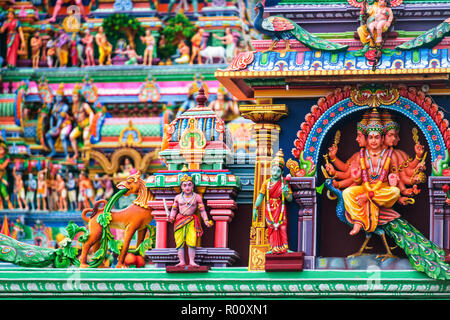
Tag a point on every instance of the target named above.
point(104, 47)
point(187, 226)
point(363, 202)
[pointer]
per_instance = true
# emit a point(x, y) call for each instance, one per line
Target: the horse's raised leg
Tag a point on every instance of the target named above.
point(129, 232)
point(93, 240)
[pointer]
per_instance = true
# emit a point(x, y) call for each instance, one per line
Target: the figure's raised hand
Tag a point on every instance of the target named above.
point(332, 151)
point(418, 148)
point(330, 169)
point(408, 192)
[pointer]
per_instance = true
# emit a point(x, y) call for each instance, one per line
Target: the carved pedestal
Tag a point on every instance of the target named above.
point(284, 262)
point(304, 193)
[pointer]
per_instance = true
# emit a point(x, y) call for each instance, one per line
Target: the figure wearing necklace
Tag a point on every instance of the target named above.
point(275, 191)
point(187, 226)
point(363, 202)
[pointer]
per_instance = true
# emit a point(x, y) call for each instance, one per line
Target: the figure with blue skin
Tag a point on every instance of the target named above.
point(60, 124)
point(72, 191)
point(31, 191)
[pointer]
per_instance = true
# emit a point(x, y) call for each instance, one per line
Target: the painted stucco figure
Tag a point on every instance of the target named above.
point(187, 225)
point(275, 191)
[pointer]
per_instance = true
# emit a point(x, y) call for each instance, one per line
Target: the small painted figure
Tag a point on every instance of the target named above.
point(104, 47)
point(108, 186)
point(197, 45)
point(52, 195)
point(72, 191)
point(60, 124)
point(224, 106)
point(4, 162)
point(88, 41)
point(31, 184)
point(74, 54)
point(62, 48)
point(230, 45)
point(19, 189)
point(42, 189)
point(61, 192)
point(86, 192)
point(57, 8)
point(184, 52)
point(132, 56)
point(149, 41)
point(84, 116)
point(379, 19)
point(98, 187)
point(187, 228)
point(36, 45)
point(275, 191)
point(184, 4)
point(15, 38)
point(51, 50)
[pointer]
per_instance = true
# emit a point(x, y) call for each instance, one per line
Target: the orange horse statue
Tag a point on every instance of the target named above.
point(134, 218)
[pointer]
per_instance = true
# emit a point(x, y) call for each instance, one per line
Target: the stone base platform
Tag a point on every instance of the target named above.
point(214, 257)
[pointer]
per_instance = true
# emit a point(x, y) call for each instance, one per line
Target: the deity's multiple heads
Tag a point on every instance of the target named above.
point(373, 121)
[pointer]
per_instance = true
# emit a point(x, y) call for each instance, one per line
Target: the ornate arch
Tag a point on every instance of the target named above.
point(330, 110)
point(112, 166)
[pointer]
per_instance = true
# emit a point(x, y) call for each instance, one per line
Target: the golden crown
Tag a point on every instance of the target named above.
point(60, 90)
point(279, 159)
point(185, 178)
point(76, 89)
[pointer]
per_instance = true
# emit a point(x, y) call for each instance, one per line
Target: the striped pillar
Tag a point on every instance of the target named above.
point(265, 115)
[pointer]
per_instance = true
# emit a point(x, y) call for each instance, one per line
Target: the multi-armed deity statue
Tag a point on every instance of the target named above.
point(375, 178)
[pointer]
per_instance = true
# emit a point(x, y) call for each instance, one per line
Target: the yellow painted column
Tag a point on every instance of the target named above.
point(265, 116)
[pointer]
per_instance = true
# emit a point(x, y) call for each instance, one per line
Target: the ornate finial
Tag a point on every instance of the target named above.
point(201, 98)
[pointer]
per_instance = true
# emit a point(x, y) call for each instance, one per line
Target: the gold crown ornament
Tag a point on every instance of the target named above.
point(279, 159)
point(185, 178)
point(60, 90)
point(76, 89)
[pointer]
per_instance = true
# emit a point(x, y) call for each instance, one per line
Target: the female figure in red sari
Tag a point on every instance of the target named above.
point(275, 191)
point(14, 31)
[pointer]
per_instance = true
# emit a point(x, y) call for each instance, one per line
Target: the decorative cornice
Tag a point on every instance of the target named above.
point(150, 283)
point(112, 73)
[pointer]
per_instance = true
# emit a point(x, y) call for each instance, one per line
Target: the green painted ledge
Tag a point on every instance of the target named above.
point(219, 283)
point(113, 73)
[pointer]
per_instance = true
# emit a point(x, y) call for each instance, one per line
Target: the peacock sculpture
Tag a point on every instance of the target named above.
point(423, 254)
point(279, 28)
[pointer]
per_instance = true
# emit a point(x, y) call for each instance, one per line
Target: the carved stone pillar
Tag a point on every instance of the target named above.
point(265, 114)
point(304, 194)
point(161, 218)
point(439, 212)
point(222, 212)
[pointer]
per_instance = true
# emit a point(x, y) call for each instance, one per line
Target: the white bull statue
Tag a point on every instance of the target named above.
point(213, 52)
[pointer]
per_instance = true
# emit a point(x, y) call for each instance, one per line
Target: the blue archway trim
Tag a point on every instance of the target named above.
point(346, 107)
